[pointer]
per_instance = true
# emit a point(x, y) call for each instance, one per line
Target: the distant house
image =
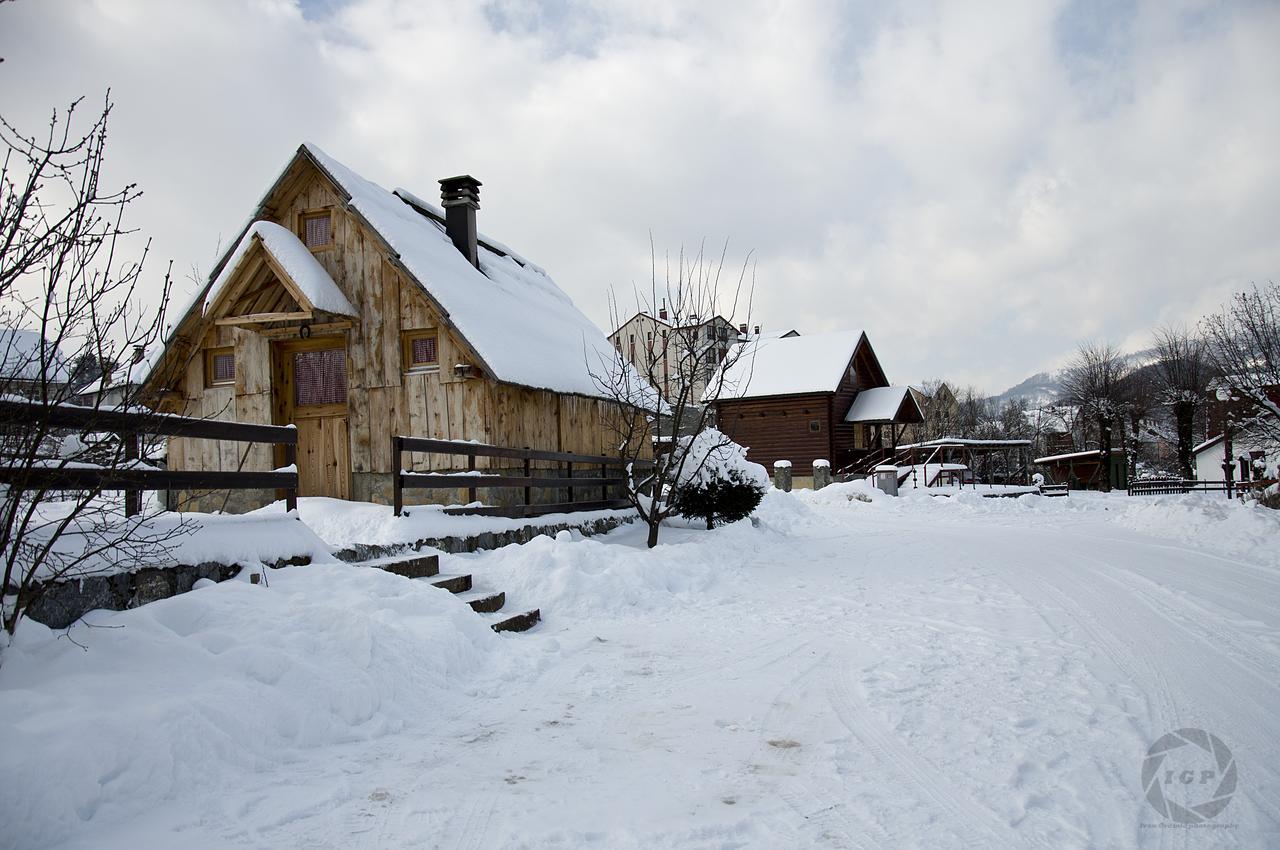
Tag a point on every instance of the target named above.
point(660, 346)
point(939, 408)
point(804, 398)
point(358, 314)
point(32, 367)
point(1252, 447)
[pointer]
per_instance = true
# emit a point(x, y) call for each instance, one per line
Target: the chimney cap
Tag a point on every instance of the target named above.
point(463, 190)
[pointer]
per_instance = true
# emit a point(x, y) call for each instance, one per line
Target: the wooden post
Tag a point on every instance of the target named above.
point(528, 491)
point(604, 488)
point(132, 497)
point(471, 467)
point(397, 489)
point(569, 474)
point(291, 494)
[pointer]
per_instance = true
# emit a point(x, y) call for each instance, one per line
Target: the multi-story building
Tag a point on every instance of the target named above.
point(678, 355)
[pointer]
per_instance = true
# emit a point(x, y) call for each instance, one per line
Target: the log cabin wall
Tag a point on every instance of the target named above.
point(384, 399)
point(778, 428)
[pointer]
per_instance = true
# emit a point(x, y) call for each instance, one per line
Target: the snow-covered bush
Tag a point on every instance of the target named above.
point(716, 482)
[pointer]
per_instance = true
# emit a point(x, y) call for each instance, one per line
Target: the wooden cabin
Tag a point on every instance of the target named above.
point(808, 397)
point(358, 314)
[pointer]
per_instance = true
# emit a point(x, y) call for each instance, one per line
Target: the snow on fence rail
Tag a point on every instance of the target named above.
point(129, 426)
point(527, 481)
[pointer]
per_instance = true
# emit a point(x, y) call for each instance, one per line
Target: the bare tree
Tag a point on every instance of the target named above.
point(665, 384)
point(1094, 383)
point(68, 295)
point(1182, 374)
point(1243, 340)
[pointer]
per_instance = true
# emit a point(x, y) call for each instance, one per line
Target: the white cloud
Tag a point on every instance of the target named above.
point(978, 186)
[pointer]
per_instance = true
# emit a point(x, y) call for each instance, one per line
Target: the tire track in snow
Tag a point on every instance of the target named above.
point(974, 824)
point(814, 804)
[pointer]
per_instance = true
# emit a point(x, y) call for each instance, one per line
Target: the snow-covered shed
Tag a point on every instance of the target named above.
point(810, 397)
point(358, 314)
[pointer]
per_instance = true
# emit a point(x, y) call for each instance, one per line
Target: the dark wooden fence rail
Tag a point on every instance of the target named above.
point(1172, 485)
point(129, 426)
point(610, 472)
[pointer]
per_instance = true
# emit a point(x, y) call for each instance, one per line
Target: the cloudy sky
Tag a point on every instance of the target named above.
point(978, 185)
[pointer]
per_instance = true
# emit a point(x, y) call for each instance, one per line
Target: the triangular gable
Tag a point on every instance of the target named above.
point(272, 277)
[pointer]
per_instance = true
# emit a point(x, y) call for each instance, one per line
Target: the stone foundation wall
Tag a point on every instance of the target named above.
point(60, 604)
point(487, 540)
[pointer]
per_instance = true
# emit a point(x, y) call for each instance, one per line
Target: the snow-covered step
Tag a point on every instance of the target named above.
point(453, 583)
point(409, 566)
point(521, 622)
point(484, 601)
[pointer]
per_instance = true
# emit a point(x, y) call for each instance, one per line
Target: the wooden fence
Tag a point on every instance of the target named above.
point(1173, 485)
point(129, 427)
point(607, 472)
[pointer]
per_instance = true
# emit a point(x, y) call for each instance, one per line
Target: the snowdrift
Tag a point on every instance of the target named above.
point(182, 696)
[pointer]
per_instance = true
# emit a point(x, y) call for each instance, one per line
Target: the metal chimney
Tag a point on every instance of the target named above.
point(460, 197)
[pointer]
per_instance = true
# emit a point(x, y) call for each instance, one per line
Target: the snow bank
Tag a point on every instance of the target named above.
point(170, 538)
point(570, 576)
point(343, 524)
point(187, 694)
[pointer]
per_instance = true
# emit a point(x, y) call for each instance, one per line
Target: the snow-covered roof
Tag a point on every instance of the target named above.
point(1077, 455)
point(880, 404)
point(1209, 443)
point(785, 365)
point(523, 326)
point(303, 269)
point(963, 441)
point(20, 357)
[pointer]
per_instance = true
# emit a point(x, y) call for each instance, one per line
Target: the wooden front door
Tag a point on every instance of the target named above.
point(310, 378)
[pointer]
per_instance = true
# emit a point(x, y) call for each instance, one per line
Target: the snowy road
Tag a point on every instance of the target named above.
point(897, 674)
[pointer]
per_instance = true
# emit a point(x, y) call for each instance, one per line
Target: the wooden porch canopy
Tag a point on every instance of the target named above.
point(884, 406)
point(273, 277)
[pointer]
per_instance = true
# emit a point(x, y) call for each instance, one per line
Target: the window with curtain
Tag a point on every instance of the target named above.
point(320, 377)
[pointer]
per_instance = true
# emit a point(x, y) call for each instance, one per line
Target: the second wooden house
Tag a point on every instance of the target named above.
point(812, 397)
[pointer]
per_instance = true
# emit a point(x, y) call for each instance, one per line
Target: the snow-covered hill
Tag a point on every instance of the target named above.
point(1044, 387)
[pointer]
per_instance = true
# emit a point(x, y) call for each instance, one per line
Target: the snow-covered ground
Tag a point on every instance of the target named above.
point(912, 672)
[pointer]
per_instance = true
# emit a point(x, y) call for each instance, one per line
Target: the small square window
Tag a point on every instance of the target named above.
point(317, 230)
point(815, 425)
point(219, 367)
point(421, 351)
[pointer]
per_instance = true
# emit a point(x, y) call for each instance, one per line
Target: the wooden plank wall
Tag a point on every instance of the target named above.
point(778, 429)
